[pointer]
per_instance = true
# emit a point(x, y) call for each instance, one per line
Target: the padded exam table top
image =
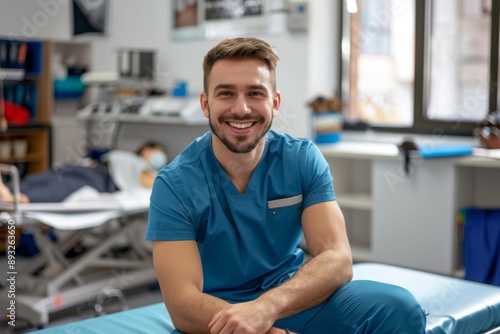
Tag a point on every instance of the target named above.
point(454, 305)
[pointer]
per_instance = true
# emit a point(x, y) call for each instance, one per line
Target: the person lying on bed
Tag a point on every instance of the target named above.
point(120, 170)
point(227, 215)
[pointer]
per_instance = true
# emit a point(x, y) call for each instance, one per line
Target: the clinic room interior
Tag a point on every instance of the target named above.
point(401, 99)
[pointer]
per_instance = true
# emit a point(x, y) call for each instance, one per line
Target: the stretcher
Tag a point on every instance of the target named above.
point(118, 259)
point(453, 306)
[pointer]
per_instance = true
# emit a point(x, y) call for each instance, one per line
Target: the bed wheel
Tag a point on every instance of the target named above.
point(108, 297)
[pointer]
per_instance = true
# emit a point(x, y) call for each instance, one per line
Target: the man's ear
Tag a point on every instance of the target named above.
point(276, 102)
point(204, 103)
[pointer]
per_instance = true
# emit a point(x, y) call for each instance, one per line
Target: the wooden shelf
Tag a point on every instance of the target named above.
point(37, 75)
point(30, 157)
point(141, 119)
point(14, 74)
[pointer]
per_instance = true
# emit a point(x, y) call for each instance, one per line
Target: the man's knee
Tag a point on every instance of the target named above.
point(395, 306)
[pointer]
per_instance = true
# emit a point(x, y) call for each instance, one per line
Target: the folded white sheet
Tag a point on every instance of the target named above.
point(72, 221)
point(88, 208)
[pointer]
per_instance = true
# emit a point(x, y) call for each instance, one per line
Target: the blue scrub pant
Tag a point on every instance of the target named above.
point(361, 307)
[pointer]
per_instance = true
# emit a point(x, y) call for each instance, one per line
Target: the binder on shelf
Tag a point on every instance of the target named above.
point(34, 58)
point(444, 150)
point(16, 54)
point(22, 52)
point(4, 51)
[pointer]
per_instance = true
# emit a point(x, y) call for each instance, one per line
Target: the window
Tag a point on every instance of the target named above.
point(419, 65)
point(381, 61)
point(459, 61)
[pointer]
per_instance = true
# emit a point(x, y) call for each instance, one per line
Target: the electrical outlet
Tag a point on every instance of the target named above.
point(297, 15)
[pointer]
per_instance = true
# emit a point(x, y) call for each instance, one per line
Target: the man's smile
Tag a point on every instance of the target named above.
point(240, 125)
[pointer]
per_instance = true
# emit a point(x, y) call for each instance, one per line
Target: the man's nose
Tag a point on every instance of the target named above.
point(241, 105)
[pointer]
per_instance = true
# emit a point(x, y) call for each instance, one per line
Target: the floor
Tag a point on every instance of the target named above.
point(133, 298)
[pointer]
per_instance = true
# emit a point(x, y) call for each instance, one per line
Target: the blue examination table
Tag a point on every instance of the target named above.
point(453, 305)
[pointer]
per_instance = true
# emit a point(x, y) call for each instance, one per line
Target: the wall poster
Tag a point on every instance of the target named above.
point(217, 18)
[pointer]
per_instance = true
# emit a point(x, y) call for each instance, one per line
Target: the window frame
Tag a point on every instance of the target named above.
point(422, 125)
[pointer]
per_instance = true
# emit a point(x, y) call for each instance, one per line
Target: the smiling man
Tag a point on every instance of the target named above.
point(228, 214)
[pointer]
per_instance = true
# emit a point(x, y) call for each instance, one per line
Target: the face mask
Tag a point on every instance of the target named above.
point(158, 160)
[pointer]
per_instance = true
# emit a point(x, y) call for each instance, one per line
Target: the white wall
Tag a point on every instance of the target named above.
point(35, 19)
point(145, 24)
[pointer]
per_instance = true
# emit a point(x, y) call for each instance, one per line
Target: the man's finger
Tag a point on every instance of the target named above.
point(216, 324)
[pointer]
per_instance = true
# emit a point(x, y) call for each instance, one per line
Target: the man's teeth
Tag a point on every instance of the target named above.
point(240, 125)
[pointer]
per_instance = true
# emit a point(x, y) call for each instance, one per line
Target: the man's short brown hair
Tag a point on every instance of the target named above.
point(241, 48)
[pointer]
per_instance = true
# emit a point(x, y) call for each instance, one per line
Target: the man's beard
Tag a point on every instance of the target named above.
point(236, 147)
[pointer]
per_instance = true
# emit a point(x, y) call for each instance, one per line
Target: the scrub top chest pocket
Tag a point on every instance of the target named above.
point(284, 219)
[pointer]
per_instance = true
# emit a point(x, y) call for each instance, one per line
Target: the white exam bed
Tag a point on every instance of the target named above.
point(50, 281)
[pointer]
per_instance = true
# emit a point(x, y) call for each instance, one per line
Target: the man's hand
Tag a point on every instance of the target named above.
point(246, 318)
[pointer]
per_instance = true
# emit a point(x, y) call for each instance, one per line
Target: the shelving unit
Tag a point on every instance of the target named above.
point(410, 221)
point(351, 165)
point(351, 171)
point(35, 76)
point(69, 142)
point(129, 130)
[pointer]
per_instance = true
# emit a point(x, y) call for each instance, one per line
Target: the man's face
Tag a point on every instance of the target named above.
point(241, 103)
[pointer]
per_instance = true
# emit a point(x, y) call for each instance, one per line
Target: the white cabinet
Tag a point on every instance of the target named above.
point(408, 220)
point(414, 217)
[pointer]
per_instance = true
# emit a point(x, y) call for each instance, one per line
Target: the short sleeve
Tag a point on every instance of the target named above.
point(168, 219)
point(317, 180)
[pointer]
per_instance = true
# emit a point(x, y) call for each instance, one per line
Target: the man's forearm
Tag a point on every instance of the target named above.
point(312, 284)
point(195, 312)
point(195, 315)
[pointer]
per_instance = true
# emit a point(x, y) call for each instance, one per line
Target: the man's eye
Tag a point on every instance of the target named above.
point(225, 93)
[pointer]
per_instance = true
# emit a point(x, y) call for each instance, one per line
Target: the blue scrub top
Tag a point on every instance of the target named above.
point(248, 242)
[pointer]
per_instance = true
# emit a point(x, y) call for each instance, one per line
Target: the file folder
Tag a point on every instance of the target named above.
point(444, 150)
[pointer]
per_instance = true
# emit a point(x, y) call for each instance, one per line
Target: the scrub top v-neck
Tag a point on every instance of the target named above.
point(248, 242)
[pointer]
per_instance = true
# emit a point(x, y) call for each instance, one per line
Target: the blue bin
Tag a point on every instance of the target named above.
point(481, 245)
